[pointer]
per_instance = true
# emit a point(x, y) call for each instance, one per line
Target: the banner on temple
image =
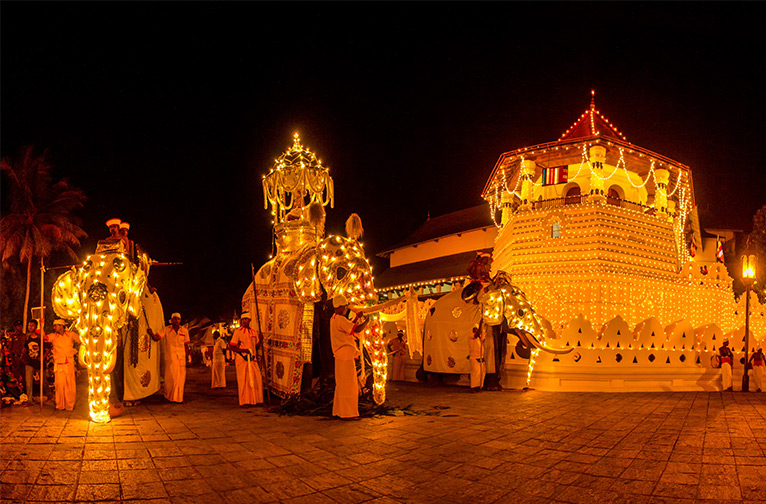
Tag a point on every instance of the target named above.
point(553, 176)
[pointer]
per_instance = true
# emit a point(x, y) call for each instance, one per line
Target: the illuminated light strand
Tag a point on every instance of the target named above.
point(677, 298)
point(297, 174)
point(586, 161)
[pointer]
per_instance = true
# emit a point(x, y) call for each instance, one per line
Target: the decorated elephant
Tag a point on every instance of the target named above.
point(101, 296)
point(293, 315)
point(496, 308)
point(289, 293)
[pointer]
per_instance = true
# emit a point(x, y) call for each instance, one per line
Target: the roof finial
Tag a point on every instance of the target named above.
point(593, 99)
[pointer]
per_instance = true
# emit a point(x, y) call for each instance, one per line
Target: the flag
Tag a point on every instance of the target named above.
point(553, 176)
point(719, 250)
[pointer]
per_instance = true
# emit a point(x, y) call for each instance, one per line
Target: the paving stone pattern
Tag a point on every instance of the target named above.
point(492, 447)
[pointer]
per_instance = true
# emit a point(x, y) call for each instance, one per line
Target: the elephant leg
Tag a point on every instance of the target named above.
point(307, 379)
point(118, 377)
point(500, 339)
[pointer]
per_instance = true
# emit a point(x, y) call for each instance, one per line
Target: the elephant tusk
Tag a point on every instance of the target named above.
point(530, 341)
point(375, 308)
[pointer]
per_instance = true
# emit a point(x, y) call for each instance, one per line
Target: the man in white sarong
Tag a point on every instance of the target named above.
point(244, 342)
point(63, 364)
point(398, 348)
point(757, 361)
point(345, 350)
point(142, 370)
point(219, 361)
point(176, 338)
point(476, 356)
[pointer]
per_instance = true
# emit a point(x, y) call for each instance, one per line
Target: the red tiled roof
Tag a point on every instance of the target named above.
point(463, 220)
point(592, 123)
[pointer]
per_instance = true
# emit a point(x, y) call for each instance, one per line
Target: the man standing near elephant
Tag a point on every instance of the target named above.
point(219, 361)
point(32, 348)
point(176, 339)
point(727, 359)
point(63, 361)
point(476, 356)
point(398, 348)
point(345, 351)
point(244, 342)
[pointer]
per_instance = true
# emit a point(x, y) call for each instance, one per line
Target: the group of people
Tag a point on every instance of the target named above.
point(118, 230)
point(757, 363)
point(21, 364)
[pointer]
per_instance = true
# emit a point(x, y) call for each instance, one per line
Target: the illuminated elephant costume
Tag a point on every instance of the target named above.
point(100, 295)
point(501, 308)
point(291, 288)
point(308, 269)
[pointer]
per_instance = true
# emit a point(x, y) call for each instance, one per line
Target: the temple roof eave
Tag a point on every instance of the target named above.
point(597, 139)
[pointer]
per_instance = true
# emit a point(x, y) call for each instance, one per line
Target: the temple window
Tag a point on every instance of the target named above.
point(556, 230)
point(613, 196)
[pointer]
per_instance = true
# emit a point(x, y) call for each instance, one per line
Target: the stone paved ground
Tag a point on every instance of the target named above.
point(488, 447)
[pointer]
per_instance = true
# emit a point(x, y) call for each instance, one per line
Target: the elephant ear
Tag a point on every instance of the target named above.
point(492, 307)
point(304, 274)
point(343, 268)
point(66, 302)
point(137, 284)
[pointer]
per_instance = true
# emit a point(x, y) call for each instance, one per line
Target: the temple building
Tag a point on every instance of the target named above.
point(603, 237)
point(600, 233)
point(592, 224)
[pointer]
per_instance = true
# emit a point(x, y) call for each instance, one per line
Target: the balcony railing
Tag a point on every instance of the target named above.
point(580, 199)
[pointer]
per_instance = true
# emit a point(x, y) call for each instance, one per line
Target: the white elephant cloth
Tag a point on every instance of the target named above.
point(346, 399)
point(447, 330)
point(249, 381)
point(144, 379)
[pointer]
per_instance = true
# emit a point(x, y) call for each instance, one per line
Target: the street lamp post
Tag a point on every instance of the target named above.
point(749, 265)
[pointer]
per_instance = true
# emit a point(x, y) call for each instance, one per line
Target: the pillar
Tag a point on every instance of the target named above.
point(527, 172)
point(661, 178)
point(597, 160)
point(671, 210)
point(506, 203)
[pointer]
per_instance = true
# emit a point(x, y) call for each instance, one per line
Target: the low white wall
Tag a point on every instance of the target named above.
point(589, 375)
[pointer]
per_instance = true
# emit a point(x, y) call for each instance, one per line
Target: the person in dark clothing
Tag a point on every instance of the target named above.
point(31, 357)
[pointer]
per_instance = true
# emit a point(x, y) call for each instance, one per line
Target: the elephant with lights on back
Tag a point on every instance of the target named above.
point(498, 309)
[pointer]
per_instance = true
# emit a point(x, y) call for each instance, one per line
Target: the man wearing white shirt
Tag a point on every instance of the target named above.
point(176, 339)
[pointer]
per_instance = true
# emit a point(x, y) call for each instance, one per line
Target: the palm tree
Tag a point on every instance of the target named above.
point(40, 220)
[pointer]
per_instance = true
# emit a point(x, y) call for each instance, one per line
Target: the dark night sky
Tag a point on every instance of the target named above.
point(167, 114)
